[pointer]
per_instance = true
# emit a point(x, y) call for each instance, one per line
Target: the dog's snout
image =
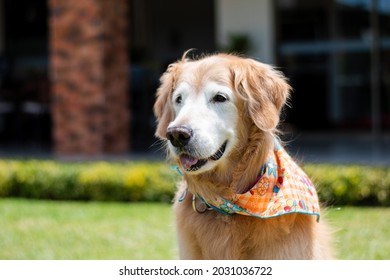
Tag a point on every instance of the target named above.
point(179, 136)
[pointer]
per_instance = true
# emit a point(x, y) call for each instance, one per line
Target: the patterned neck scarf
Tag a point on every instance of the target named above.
point(282, 188)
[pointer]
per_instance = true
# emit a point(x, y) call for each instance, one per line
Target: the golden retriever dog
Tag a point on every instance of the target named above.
point(242, 196)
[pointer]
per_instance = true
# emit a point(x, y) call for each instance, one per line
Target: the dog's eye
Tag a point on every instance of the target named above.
point(178, 99)
point(219, 98)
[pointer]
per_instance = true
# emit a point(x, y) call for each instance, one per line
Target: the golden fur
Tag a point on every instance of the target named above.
point(260, 93)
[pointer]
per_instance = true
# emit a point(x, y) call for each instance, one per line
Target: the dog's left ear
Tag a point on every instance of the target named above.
point(264, 91)
point(162, 107)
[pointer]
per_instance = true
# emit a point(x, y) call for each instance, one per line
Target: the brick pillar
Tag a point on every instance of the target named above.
point(89, 75)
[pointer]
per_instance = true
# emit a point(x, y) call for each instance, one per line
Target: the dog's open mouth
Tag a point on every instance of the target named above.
point(191, 163)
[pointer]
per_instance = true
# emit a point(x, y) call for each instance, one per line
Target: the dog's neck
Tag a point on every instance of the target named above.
point(240, 171)
point(251, 160)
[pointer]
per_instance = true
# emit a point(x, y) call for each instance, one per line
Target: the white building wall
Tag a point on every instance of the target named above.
point(254, 18)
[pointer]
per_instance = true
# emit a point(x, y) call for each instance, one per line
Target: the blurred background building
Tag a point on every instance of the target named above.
point(79, 76)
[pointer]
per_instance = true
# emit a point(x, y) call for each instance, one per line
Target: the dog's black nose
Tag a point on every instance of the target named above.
point(179, 136)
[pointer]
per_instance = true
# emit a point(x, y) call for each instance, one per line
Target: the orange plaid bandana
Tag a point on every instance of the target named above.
point(282, 188)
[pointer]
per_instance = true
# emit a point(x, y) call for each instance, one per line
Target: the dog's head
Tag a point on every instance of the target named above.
point(202, 105)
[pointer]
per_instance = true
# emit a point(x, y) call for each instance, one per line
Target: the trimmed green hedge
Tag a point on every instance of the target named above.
point(351, 184)
point(101, 181)
point(155, 181)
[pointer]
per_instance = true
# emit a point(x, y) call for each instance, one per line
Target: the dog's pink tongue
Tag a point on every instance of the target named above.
point(187, 161)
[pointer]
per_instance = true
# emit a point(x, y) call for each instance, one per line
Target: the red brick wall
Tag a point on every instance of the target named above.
point(89, 74)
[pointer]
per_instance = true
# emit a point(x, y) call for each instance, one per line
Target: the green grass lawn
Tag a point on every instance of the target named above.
point(361, 233)
point(78, 230)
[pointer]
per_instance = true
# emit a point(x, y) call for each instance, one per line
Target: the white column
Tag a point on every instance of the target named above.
point(254, 18)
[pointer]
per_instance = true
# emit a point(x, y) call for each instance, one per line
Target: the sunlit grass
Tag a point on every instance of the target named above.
point(361, 233)
point(71, 230)
point(32, 229)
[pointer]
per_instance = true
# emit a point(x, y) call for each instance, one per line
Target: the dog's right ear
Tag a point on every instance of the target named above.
point(163, 107)
point(264, 91)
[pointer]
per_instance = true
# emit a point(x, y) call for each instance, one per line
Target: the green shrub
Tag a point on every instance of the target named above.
point(43, 180)
point(351, 185)
point(155, 181)
point(6, 173)
point(100, 181)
